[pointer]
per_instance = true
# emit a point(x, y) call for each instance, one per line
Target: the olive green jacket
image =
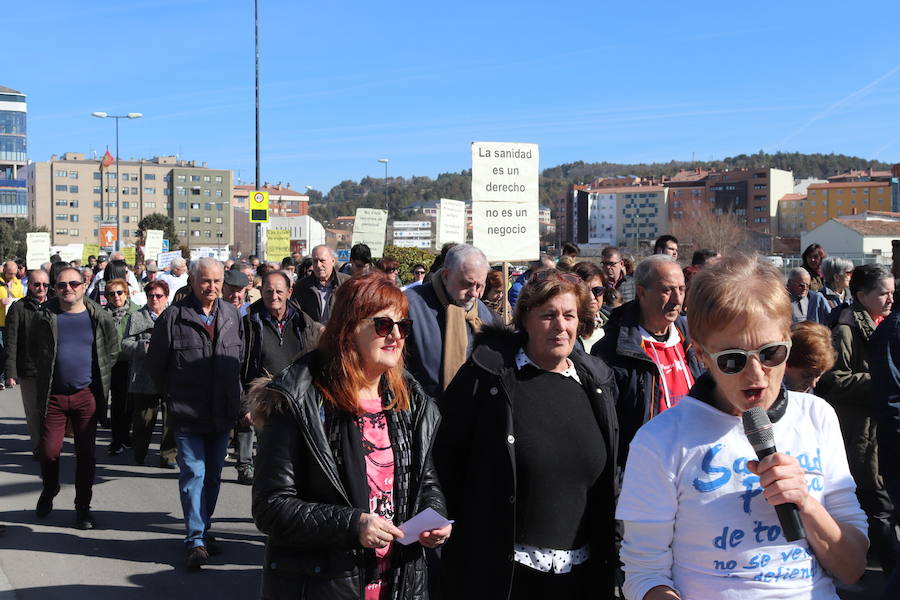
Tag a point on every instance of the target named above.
point(43, 342)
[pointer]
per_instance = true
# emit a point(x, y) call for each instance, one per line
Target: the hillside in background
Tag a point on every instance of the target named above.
point(346, 197)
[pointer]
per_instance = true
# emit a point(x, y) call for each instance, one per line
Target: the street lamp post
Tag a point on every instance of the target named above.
point(385, 161)
point(103, 115)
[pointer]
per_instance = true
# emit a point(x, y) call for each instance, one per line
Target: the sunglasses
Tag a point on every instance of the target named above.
point(114, 292)
point(385, 325)
point(610, 263)
point(390, 270)
point(61, 285)
point(598, 291)
point(40, 284)
point(732, 362)
point(418, 272)
point(156, 295)
point(548, 273)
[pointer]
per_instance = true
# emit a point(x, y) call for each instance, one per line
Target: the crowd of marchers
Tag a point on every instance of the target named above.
point(581, 433)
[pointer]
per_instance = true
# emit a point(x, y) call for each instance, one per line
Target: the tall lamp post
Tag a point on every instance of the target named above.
point(385, 161)
point(103, 115)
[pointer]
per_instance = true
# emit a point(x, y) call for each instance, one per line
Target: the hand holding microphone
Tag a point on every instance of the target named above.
point(780, 475)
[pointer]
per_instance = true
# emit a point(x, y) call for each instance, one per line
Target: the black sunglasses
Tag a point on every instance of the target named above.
point(419, 272)
point(385, 325)
point(40, 284)
point(114, 292)
point(598, 290)
point(732, 362)
point(61, 285)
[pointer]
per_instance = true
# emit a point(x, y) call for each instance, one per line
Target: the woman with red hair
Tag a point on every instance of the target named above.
point(344, 456)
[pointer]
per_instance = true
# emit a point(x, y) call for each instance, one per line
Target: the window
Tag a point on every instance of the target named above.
point(207, 219)
point(218, 179)
point(207, 206)
point(182, 206)
point(73, 204)
point(97, 175)
point(148, 190)
point(60, 173)
point(182, 233)
point(149, 177)
point(126, 219)
point(126, 204)
point(149, 204)
point(206, 178)
point(61, 188)
point(181, 191)
point(97, 204)
point(206, 192)
point(134, 191)
point(195, 219)
point(73, 218)
point(73, 189)
point(168, 178)
point(111, 204)
point(852, 190)
point(61, 232)
point(111, 189)
point(73, 232)
point(207, 233)
point(195, 191)
point(96, 189)
point(220, 220)
point(97, 218)
point(195, 178)
point(219, 193)
point(110, 175)
point(62, 203)
point(167, 192)
point(62, 217)
point(181, 178)
point(195, 206)
point(126, 233)
point(124, 191)
point(195, 233)
point(220, 234)
point(182, 220)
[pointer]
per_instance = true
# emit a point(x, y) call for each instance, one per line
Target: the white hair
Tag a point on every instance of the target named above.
point(177, 262)
point(645, 272)
point(462, 254)
point(329, 248)
point(207, 262)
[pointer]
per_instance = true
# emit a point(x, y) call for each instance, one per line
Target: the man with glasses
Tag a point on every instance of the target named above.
point(647, 345)
point(418, 272)
point(76, 343)
point(20, 367)
point(614, 271)
point(805, 305)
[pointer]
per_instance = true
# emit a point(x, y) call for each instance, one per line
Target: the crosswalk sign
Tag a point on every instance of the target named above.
point(259, 207)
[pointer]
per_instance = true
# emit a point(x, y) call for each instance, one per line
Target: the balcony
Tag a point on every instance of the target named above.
point(16, 183)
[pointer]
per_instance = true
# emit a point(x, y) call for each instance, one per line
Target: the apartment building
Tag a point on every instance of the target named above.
point(631, 216)
point(13, 154)
point(824, 201)
point(71, 195)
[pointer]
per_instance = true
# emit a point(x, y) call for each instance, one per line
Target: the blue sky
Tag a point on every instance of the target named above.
point(345, 83)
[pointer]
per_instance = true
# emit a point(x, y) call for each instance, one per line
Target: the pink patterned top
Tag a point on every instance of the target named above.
point(379, 457)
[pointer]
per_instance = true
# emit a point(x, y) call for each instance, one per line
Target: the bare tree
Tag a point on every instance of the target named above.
point(723, 233)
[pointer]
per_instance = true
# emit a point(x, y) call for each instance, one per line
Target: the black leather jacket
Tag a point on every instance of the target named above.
point(301, 503)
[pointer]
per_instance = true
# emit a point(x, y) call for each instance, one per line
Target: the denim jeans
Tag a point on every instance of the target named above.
point(200, 461)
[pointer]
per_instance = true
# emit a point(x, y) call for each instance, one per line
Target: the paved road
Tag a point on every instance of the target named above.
point(137, 552)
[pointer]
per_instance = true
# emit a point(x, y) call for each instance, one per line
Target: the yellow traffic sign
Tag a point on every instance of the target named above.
point(259, 207)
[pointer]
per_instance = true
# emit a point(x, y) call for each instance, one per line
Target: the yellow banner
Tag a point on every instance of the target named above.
point(130, 255)
point(89, 250)
point(278, 245)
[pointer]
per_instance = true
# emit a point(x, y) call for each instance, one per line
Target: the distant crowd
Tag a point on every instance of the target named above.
point(578, 432)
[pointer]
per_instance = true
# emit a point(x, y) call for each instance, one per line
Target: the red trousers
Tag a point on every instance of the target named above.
point(80, 409)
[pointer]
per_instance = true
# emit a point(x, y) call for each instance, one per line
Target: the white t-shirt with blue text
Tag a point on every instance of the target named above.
point(696, 520)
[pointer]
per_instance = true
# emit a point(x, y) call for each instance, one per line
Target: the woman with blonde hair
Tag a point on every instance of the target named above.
point(698, 507)
point(344, 456)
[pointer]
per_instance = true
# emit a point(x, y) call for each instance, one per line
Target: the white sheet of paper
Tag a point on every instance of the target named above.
point(426, 520)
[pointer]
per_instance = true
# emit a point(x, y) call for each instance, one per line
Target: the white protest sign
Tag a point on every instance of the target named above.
point(369, 228)
point(153, 243)
point(38, 245)
point(506, 231)
point(451, 225)
point(504, 172)
point(505, 219)
point(68, 252)
point(165, 258)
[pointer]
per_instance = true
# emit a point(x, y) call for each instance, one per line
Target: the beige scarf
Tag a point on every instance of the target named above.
point(456, 339)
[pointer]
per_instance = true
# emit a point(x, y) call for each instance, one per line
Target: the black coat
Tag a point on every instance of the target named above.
point(637, 377)
point(301, 326)
point(19, 318)
point(199, 378)
point(475, 456)
point(302, 504)
point(306, 296)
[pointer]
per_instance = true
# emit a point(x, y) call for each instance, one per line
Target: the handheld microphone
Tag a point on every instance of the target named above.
point(758, 429)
